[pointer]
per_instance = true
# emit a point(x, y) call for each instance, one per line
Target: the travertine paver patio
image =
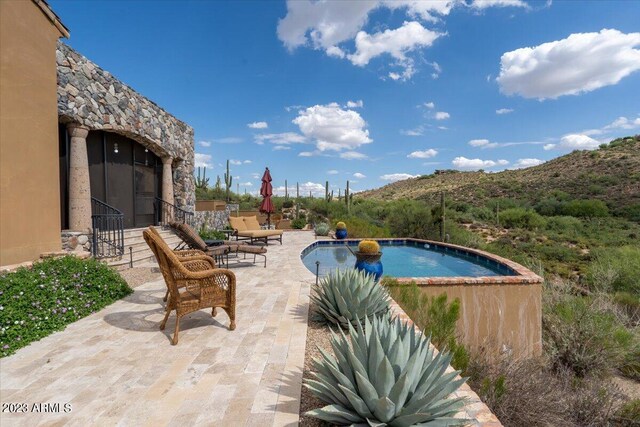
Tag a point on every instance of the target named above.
point(116, 368)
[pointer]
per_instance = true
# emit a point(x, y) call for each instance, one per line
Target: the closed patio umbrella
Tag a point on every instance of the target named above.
point(266, 190)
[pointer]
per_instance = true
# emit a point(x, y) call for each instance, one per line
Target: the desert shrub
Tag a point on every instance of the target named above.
point(631, 212)
point(287, 203)
point(322, 229)
point(53, 293)
point(630, 303)
point(361, 228)
point(616, 269)
point(629, 413)
point(580, 337)
point(435, 316)
point(586, 209)
point(564, 225)
point(528, 393)
point(411, 219)
point(503, 203)
point(521, 218)
point(553, 204)
point(298, 223)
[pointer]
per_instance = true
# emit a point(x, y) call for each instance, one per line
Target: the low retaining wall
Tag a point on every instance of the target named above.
point(214, 219)
point(502, 314)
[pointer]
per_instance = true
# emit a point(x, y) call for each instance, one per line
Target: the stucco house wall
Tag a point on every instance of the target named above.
point(29, 173)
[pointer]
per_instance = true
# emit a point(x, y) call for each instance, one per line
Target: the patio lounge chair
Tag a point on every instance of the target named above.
point(248, 228)
point(194, 241)
point(194, 283)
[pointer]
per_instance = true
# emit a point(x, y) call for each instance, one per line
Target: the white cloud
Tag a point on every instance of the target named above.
point(442, 115)
point(526, 163)
point(246, 184)
point(504, 111)
point(430, 105)
point(580, 63)
point(285, 138)
point(281, 147)
point(256, 175)
point(336, 52)
point(333, 128)
point(204, 143)
point(235, 162)
point(574, 142)
point(246, 162)
point(483, 4)
point(621, 123)
point(483, 143)
point(397, 43)
point(359, 175)
point(258, 125)
point(475, 164)
point(355, 104)
point(305, 154)
point(419, 131)
point(228, 140)
point(397, 176)
point(423, 154)
point(353, 155)
point(202, 160)
point(332, 172)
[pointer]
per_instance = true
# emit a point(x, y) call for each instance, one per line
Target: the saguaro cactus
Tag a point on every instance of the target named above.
point(347, 199)
point(286, 190)
point(202, 181)
point(228, 179)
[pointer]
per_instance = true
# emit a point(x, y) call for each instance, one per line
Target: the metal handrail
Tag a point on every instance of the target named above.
point(108, 230)
point(165, 212)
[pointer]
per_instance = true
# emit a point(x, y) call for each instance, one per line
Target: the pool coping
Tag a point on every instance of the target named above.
point(523, 276)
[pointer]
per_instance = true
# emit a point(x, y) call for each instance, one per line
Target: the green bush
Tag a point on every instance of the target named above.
point(287, 204)
point(411, 219)
point(521, 218)
point(298, 223)
point(211, 234)
point(53, 293)
point(435, 316)
point(564, 225)
point(579, 336)
point(616, 269)
point(360, 228)
point(586, 209)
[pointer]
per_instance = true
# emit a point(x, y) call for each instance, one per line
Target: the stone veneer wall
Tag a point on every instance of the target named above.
point(93, 97)
point(217, 220)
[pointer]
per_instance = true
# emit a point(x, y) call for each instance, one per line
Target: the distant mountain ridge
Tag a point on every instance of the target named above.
point(610, 173)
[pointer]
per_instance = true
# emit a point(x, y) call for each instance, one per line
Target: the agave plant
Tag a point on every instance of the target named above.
point(388, 376)
point(346, 297)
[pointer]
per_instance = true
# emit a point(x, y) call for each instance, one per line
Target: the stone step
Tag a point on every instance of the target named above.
point(140, 251)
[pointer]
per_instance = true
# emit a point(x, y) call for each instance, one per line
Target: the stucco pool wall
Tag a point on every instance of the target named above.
point(498, 313)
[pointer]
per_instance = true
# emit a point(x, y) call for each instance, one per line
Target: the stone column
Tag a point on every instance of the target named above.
point(167, 180)
point(79, 185)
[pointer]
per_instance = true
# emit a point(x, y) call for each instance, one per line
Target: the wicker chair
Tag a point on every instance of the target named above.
point(194, 283)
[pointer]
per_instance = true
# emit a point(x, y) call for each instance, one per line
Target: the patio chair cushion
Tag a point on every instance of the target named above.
point(189, 235)
point(237, 223)
point(251, 222)
point(250, 249)
point(259, 233)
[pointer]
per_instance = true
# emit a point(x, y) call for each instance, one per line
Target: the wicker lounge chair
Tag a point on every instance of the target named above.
point(248, 228)
point(194, 283)
point(194, 241)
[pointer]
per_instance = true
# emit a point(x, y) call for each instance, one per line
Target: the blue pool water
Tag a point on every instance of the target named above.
point(405, 258)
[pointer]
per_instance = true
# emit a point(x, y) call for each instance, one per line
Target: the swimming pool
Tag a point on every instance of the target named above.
point(407, 258)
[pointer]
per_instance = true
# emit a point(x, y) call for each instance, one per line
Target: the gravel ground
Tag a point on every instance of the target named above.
point(318, 335)
point(137, 276)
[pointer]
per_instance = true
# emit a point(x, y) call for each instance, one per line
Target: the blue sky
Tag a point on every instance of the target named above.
point(373, 90)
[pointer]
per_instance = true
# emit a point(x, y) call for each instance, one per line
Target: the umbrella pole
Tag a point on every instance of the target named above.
point(269, 220)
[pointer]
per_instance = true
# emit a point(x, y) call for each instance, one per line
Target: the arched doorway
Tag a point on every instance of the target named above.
point(122, 172)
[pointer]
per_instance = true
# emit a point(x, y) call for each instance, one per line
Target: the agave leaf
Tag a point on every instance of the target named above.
point(385, 409)
point(372, 423)
point(399, 392)
point(367, 391)
point(335, 414)
point(376, 354)
point(358, 404)
point(384, 377)
point(444, 386)
point(416, 420)
point(327, 392)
